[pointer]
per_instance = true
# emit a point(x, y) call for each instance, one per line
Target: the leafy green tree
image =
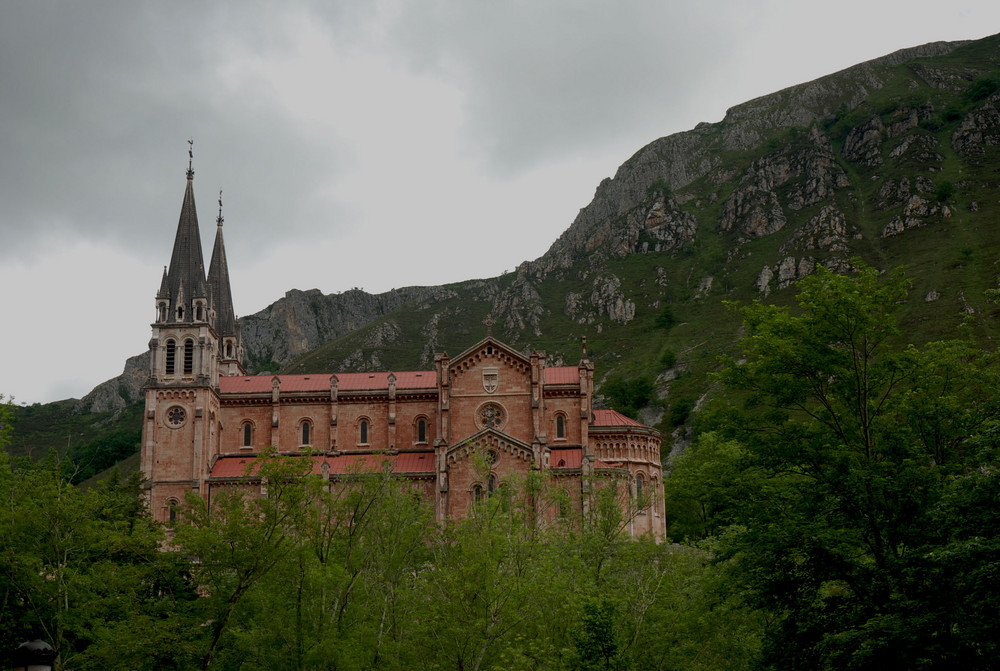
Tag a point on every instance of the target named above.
point(238, 538)
point(84, 571)
point(852, 439)
point(596, 641)
point(699, 496)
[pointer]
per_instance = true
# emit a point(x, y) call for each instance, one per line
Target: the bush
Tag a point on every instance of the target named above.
point(659, 186)
point(666, 319)
point(680, 410)
point(980, 89)
point(668, 358)
point(944, 191)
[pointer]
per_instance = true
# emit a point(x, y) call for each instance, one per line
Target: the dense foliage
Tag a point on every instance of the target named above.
point(839, 510)
point(358, 577)
point(852, 491)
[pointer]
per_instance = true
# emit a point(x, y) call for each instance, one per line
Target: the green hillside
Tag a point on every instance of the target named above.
point(895, 162)
point(922, 148)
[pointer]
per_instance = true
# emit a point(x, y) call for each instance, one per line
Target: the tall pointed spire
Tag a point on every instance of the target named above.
point(218, 283)
point(185, 279)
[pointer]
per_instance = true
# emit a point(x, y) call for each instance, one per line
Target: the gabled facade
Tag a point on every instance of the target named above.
point(206, 419)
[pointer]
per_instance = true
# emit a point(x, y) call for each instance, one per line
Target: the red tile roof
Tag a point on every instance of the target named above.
point(407, 462)
point(255, 384)
point(232, 467)
point(414, 462)
point(566, 458)
point(562, 375)
point(613, 418)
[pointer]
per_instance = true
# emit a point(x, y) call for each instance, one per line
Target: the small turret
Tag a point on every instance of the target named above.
point(221, 301)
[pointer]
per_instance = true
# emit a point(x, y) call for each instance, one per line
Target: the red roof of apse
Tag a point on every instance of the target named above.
point(613, 418)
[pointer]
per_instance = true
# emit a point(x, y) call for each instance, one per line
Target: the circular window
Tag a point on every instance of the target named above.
point(491, 416)
point(175, 416)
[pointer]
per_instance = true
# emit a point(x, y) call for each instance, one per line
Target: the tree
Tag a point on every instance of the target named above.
point(852, 439)
point(699, 498)
point(83, 570)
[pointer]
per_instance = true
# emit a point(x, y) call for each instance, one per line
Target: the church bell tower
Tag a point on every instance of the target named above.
point(195, 339)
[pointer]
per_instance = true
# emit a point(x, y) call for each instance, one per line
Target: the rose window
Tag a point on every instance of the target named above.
point(492, 416)
point(175, 416)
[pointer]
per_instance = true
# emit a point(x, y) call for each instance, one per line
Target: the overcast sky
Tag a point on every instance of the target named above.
point(369, 144)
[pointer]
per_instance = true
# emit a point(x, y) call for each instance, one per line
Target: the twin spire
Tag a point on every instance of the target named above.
point(185, 285)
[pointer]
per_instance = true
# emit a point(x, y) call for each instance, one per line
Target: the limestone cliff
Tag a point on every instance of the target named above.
point(893, 160)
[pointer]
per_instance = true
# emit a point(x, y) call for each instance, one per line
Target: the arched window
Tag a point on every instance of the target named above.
point(363, 432)
point(306, 428)
point(180, 313)
point(171, 355)
point(247, 434)
point(198, 313)
point(477, 493)
point(638, 491)
point(171, 511)
point(560, 426)
point(162, 313)
point(421, 430)
point(188, 356)
point(229, 350)
point(491, 485)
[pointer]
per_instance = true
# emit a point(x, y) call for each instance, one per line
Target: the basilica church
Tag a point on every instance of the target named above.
point(206, 419)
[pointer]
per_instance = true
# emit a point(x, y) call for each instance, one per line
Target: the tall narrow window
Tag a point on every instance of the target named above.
point(560, 426)
point(247, 435)
point(172, 513)
point(638, 491)
point(305, 433)
point(491, 485)
point(229, 350)
point(171, 354)
point(363, 430)
point(477, 493)
point(188, 356)
point(162, 313)
point(198, 313)
point(422, 431)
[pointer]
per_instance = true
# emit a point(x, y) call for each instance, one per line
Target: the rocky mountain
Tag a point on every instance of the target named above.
point(894, 161)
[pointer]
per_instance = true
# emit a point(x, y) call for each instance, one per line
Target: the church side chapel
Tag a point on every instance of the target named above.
point(206, 419)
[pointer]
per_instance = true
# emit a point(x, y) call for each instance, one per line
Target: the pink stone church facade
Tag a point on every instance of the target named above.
point(206, 419)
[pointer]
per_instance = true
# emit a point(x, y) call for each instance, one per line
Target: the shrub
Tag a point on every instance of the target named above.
point(981, 88)
point(944, 191)
point(666, 319)
point(659, 186)
point(680, 410)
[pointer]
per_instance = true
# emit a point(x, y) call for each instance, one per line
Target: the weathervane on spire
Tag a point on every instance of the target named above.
point(489, 322)
point(190, 172)
point(219, 220)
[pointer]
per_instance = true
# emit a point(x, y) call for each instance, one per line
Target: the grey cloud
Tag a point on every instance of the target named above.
point(541, 76)
point(98, 100)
